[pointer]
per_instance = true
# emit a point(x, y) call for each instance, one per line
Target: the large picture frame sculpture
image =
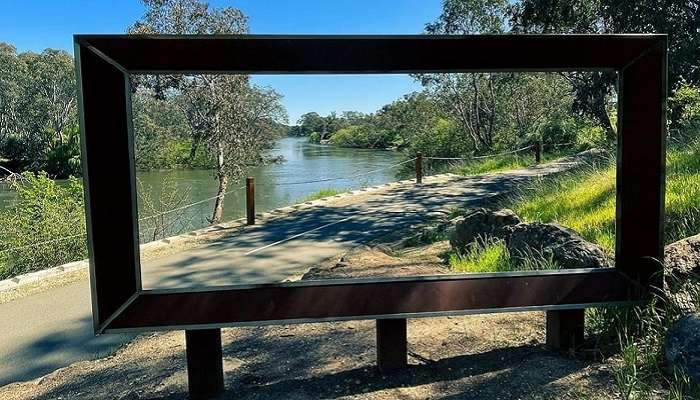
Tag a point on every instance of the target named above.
point(105, 62)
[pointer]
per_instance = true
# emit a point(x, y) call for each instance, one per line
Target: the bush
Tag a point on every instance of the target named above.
point(315, 137)
point(363, 136)
point(685, 112)
point(442, 139)
point(44, 211)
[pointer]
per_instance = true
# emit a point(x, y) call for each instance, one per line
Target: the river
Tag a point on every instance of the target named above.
point(276, 184)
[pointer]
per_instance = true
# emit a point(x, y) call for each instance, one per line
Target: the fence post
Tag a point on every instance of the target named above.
point(250, 200)
point(538, 151)
point(419, 167)
point(205, 369)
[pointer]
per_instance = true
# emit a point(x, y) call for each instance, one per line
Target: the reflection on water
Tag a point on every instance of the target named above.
point(276, 185)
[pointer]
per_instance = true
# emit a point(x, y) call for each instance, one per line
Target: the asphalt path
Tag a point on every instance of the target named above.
point(52, 329)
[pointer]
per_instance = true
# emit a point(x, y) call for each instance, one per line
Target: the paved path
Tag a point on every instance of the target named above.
point(43, 332)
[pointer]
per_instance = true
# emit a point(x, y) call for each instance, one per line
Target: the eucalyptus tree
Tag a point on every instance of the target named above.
point(225, 113)
point(470, 99)
point(37, 106)
point(678, 18)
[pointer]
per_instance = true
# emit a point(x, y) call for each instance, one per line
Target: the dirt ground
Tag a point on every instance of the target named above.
point(494, 356)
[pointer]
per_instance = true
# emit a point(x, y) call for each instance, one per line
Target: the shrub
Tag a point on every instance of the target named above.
point(315, 137)
point(363, 136)
point(685, 112)
point(44, 211)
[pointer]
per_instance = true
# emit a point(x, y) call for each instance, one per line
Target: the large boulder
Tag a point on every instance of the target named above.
point(551, 241)
point(480, 222)
point(682, 346)
point(682, 258)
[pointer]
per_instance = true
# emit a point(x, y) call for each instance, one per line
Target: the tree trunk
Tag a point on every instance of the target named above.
point(221, 193)
point(603, 118)
point(193, 150)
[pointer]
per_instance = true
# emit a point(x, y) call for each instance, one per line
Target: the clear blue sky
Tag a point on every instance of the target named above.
point(33, 25)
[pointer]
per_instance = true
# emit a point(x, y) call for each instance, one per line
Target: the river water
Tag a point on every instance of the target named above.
point(276, 185)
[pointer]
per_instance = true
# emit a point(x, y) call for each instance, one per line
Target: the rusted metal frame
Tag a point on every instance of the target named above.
point(120, 299)
point(310, 54)
point(641, 166)
point(392, 350)
point(565, 329)
point(109, 183)
point(358, 299)
point(205, 369)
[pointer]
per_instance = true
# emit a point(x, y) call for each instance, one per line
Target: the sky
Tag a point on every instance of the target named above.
point(33, 25)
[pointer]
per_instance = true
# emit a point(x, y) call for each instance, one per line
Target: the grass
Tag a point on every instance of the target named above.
point(501, 163)
point(323, 193)
point(585, 201)
point(492, 255)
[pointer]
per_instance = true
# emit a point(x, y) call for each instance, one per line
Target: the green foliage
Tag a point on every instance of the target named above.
point(63, 158)
point(44, 211)
point(364, 136)
point(439, 139)
point(38, 119)
point(315, 137)
point(685, 107)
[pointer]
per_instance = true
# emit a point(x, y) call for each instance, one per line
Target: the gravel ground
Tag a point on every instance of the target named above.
point(494, 356)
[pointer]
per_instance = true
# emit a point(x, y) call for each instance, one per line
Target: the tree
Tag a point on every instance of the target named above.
point(679, 18)
point(38, 108)
point(534, 101)
point(225, 113)
point(470, 98)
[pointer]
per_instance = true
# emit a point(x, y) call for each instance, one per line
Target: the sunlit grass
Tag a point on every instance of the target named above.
point(323, 193)
point(501, 163)
point(492, 255)
point(481, 256)
point(585, 201)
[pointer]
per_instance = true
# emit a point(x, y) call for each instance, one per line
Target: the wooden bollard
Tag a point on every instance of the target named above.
point(419, 167)
point(538, 151)
point(250, 200)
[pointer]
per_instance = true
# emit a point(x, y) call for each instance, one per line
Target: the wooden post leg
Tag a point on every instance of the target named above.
point(250, 200)
point(392, 352)
point(538, 152)
point(205, 369)
point(565, 329)
point(419, 167)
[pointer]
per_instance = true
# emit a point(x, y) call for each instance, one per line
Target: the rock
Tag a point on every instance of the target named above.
point(564, 246)
point(682, 258)
point(682, 273)
point(480, 222)
point(682, 346)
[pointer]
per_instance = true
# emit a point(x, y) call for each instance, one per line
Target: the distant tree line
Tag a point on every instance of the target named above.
point(475, 113)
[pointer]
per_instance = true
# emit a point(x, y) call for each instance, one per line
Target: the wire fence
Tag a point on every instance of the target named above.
point(339, 178)
point(480, 157)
